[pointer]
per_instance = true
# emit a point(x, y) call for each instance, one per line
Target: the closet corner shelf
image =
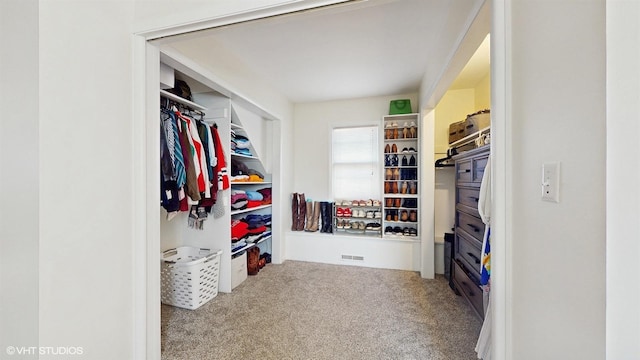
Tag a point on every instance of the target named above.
point(250, 245)
point(183, 101)
point(236, 212)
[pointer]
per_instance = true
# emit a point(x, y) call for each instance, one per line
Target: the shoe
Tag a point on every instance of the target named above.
point(413, 131)
point(405, 133)
point(394, 148)
point(395, 215)
point(413, 188)
point(397, 202)
point(369, 202)
point(395, 187)
point(395, 133)
point(294, 212)
point(412, 149)
point(302, 211)
point(387, 149)
point(369, 215)
point(387, 187)
point(397, 230)
point(339, 224)
point(345, 203)
point(412, 161)
point(339, 212)
point(406, 232)
point(404, 161)
point(388, 202)
point(388, 174)
point(346, 212)
point(404, 188)
point(394, 160)
point(377, 215)
point(388, 215)
point(413, 231)
point(396, 174)
point(388, 230)
point(413, 216)
point(404, 216)
point(405, 150)
point(376, 203)
point(362, 203)
point(354, 225)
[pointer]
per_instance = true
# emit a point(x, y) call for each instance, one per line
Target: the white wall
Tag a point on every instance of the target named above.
point(557, 91)
point(312, 137)
point(19, 175)
point(623, 177)
point(86, 288)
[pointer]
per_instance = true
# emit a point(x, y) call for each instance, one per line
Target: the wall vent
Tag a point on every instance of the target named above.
point(353, 257)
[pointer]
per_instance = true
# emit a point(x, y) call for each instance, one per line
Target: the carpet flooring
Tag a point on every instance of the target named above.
point(301, 310)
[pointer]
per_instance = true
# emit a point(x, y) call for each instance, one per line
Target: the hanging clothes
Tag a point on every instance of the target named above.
point(483, 346)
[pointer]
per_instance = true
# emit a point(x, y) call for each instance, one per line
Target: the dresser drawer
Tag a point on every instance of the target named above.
point(471, 224)
point(478, 167)
point(469, 288)
point(468, 197)
point(468, 251)
point(463, 171)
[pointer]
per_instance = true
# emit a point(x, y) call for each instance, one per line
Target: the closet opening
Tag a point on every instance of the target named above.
point(158, 53)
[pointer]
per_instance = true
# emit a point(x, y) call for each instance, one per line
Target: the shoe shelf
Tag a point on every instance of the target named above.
point(400, 154)
point(352, 218)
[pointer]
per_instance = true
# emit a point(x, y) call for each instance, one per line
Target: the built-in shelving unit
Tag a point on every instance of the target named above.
point(401, 201)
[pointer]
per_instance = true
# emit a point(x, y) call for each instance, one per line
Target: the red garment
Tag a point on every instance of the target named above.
point(238, 230)
point(221, 166)
point(254, 203)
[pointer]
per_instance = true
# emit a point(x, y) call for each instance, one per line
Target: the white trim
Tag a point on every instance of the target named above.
point(501, 147)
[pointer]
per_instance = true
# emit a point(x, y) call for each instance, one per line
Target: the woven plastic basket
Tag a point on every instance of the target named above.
point(189, 276)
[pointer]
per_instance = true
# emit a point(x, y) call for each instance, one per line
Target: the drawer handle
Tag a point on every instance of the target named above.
point(474, 257)
point(474, 198)
point(464, 171)
point(475, 228)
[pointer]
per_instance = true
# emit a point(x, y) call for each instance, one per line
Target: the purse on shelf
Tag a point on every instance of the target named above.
point(401, 106)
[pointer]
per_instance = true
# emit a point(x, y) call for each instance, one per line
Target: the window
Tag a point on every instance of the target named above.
point(355, 163)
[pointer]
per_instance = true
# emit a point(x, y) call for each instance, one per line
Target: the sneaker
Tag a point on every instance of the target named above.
point(369, 202)
point(346, 212)
point(340, 224)
point(369, 215)
point(377, 215)
point(362, 203)
point(339, 212)
point(388, 230)
point(376, 203)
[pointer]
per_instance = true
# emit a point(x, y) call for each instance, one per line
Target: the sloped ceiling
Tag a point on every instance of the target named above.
point(362, 49)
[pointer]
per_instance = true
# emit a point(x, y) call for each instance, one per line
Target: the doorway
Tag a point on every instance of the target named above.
point(148, 58)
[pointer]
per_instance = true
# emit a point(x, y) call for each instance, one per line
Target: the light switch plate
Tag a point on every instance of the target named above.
point(551, 182)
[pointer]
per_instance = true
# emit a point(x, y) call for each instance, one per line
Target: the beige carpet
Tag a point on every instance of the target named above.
point(300, 310)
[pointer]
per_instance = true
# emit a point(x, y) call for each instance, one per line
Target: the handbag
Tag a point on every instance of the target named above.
point(401, 106)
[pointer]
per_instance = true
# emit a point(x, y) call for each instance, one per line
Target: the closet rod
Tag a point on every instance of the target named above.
point(185, 102)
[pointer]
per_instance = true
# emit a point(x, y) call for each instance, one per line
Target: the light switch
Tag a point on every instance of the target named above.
point(551, 182)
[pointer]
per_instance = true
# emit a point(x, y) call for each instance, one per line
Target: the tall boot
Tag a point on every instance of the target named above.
point(302, 211)
point(309, 212)
point(323, 215)
point(329, 228)
point(315, 218)
point(294, 212)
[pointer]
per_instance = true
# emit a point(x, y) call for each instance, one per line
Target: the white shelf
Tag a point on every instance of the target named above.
point(250, 183)
point(248, 246)
point(236, 212)
point(185, 102)
point(244, 156)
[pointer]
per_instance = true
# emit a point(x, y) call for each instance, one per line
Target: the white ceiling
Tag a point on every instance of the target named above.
point(360, 49)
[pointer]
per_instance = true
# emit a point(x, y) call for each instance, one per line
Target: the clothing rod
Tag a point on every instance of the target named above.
point(182, 101)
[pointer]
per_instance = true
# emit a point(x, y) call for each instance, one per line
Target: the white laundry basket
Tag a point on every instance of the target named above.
point(189, 276)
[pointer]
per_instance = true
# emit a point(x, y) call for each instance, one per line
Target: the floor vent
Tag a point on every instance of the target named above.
point(353, 257)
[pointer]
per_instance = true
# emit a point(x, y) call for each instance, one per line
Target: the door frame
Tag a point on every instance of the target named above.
point(146, 222)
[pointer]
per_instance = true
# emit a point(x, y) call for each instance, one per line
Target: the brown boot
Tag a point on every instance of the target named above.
point(315, 218)
point(309, 214)
point(302, 211)
point(294, 212)
point(253, 256)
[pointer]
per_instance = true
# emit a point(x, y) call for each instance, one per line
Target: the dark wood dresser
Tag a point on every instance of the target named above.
point(469, 228)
